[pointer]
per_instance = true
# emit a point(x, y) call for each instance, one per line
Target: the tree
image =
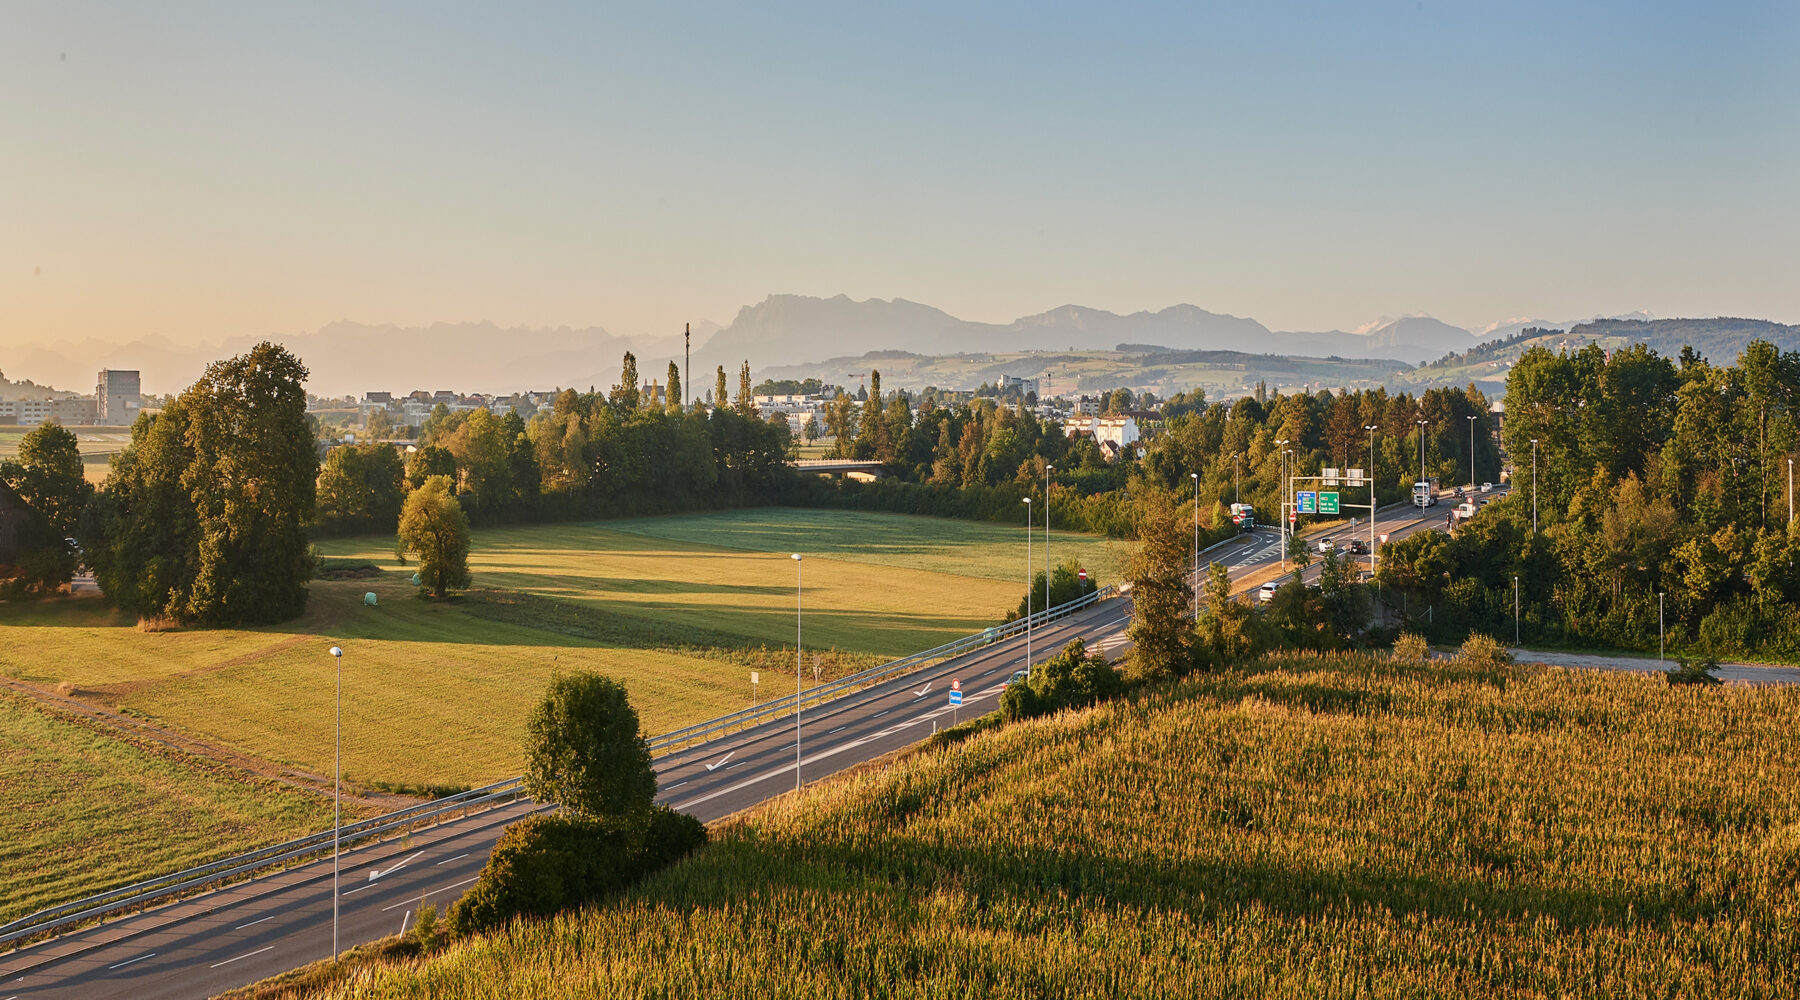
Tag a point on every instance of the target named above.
point(1161, 628)
point(434, 528)
point(746, 399)
point(674, 405)
point(720, 400)
point(361, 486)
point(1228, 631)
point(431, 460)
point(583, 750)
point(626, 397)
point(48, 476)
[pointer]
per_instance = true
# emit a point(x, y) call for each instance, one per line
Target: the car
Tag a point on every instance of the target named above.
point(1358, 547)
point(1019, 677)
point(1459, 491)
point(1487, 487)
point(1266, 592)
point(1327, 545)
point(1465, 510)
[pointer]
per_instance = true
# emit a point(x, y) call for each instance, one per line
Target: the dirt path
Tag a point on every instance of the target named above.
point(160, 739)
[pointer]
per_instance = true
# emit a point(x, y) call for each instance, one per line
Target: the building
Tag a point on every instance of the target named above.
point(1114, 435)
point(27, 411)
point(76, 410)
point(1023, 386)
point(118, 398)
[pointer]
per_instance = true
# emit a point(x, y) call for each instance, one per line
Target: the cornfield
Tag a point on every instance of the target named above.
point(1319, 826)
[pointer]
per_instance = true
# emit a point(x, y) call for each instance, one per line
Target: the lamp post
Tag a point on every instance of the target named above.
point(1283, 516)
point(1237, 494)
point(1422, 424)
point(1195, 476)
point(1790, 494)
point(337, 798)
point(798, 672)
point(1028, 585)
point(1534, 442)
point(1371, 428)
point(1659, 626)
point(1047, 470)
point(1471, 449)
point(1515, 610)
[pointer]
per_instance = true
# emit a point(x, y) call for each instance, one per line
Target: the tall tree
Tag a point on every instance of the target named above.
point(434, 528)
point(626, 397)
point(1161, 628)
point(675, 400)
point(720, 397)
point(746, 399)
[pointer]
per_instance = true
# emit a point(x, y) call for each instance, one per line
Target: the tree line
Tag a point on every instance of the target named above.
point(1652, 476)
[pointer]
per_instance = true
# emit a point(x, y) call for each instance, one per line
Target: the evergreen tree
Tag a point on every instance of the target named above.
point(675, 399)
point(746, 399)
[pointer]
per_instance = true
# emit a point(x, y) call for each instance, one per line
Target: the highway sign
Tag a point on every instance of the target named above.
point(1354, 477)
point(1330, 476)
point(1293, 518)
point(1328, 503)
point(1383, 537)
point(1306, 502)
point(955, 693)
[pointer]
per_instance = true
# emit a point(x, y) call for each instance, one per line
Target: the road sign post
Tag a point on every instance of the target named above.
point(754, 677)
point(955, 699)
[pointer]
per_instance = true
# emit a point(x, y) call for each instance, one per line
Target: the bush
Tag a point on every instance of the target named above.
point(1482, 652)
point(545, 864)
point(1694, 670)
point(1410, 648)
point(583, 750)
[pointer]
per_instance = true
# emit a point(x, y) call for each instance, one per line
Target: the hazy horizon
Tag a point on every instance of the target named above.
point(204, 173)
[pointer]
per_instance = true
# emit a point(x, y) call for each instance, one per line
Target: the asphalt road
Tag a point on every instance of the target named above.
point(235, 936)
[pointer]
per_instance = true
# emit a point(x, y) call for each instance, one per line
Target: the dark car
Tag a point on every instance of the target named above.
point(1358, 547)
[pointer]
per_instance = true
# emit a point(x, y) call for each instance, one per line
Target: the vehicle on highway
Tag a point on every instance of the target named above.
point(1266, 592)
point(1425, 492)
point(1019, 677)
point(1487, 487)
point(1358, 547)
point(1327, 545)
point(1244, 516)
point(1459, 492)
point(1464, 510)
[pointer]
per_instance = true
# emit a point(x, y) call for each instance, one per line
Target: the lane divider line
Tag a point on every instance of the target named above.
point(253, 923)
point(249, 955)
point(446, 861)
point(133, 961)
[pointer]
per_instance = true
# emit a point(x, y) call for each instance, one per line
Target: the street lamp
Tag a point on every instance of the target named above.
point(1028, 583)
point(1237, 494)
point(1659, 626)
point(1047, 470)
point(798, 672)
point(1515, 610)
point(337, 799)
point(1471, 449)
point(1534, 442)
point(1371, 428)
point(1195, 476)
point(1283, 525)
point(1422, 424)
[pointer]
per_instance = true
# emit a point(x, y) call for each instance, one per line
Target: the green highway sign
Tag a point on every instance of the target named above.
point(1328, 503)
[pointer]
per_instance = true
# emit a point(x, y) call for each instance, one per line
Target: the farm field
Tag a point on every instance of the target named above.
point(87, 809)
point(435, 694)
point(98, 445)
point(1306, 826)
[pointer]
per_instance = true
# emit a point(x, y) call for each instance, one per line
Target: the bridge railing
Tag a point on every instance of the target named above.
point(141, 894)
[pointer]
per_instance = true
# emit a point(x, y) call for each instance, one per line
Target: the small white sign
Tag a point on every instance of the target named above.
point(754, 677)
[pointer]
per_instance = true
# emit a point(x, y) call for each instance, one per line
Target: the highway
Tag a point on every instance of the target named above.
point(234, 936)
point(252, 930)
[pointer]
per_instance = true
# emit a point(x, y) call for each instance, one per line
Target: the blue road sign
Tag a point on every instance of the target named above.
point(955, 698)
point(1306, 502)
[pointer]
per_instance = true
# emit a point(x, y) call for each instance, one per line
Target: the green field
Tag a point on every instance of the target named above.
point(1308, 826)
point(86, 809)
point(98, 445)
point(436, 694)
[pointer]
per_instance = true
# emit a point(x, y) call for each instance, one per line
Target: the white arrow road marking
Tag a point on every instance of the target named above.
point(715, 767)
point(921, 693)
point(373, 875)
point(256, 952)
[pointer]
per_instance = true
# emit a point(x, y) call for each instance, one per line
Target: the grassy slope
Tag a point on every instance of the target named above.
point(90, 810)
point(1310, 827)
point(437, 694)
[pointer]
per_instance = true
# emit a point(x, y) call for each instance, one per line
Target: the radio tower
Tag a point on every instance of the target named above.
point(687, 360)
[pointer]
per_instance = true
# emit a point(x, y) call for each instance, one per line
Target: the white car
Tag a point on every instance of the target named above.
point(1487, 487)
point(1266, 592)
point(1327, 545)
point(1465, 510)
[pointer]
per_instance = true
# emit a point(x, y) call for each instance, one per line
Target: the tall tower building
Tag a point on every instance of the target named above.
point(117, 398)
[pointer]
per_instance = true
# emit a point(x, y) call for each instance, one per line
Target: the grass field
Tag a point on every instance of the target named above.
point(97, 444)
point(436, 694)
point(1305, 827)
point(86, 809)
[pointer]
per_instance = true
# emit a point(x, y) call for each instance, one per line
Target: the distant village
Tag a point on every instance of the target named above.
point(116, 402)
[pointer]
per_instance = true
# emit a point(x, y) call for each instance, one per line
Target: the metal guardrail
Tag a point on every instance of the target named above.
point(152, 890)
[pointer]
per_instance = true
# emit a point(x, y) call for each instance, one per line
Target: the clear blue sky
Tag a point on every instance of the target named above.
point(203, 170)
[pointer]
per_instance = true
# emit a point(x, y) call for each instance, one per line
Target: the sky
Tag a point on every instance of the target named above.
point(208, 170)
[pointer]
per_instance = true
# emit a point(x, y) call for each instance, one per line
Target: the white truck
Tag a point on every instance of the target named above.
point(1243, 515)
point(1425, 492)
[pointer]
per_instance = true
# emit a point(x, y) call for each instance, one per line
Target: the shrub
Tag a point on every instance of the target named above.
point(1411, 648)
point(1694, 670)
point(1482, 652)
point(583, 750)
point(1070, 679)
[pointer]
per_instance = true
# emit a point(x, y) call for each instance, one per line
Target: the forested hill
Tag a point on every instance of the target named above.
point(1719, 340)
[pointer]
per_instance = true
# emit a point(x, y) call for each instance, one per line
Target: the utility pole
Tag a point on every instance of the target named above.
point(1422, 424)
point(1471, 449)
point(1516, 610)
point(1282, 523)
point(1028, 584)
point(1659, 626)
point(1047, 574)
point(798, 673)
point(337, 799)
point(687, 361)
point(1371, 428)
point(1195, 476)
point(1237, 493)
point(1790, 494)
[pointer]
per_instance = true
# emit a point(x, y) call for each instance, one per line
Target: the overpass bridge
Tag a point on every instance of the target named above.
point(862, 470)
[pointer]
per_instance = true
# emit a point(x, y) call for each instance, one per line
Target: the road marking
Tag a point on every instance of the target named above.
point(678, 784)
point(140, 958)
point(256, 952)
point(837, 730)
point(408, 901)
point(359, 888)
point(403, 918)
point(921, 693)
point(878, 715)
point(739, 764)
point(253, 923)
point(446, 861)
point(373, 875)
point(790, 746)
point(715, 767)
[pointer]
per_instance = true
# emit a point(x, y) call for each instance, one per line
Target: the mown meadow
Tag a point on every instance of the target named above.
point(435, 693)
point(87, 808)
point(1309, 825)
